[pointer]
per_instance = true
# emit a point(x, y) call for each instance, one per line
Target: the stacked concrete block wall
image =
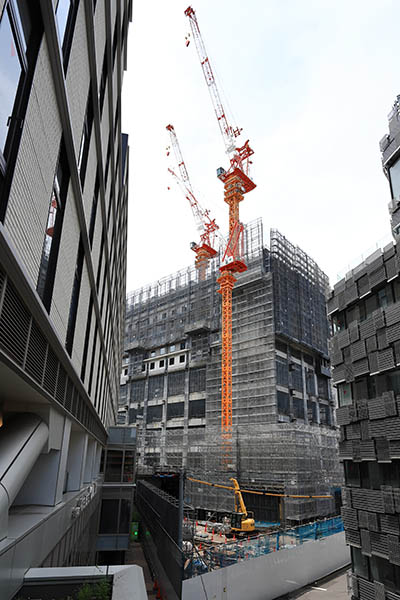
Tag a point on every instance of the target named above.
point(365, 312)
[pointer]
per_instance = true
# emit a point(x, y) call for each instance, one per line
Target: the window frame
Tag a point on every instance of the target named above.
point(21, 48)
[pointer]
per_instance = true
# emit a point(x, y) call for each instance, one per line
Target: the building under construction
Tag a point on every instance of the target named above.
point(283, 439)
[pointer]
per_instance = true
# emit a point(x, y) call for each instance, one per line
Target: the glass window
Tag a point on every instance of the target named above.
point(172, 348)
point(62, 13)
point(162, 363)
point(152, 365)
point(360, 562)
point(283, 402)
point(394, 172)
point(10, 73)
point(182, 358)
point(103, 82)
point(113, 465)
point(109, 516)
point(298, 408)
point(162, 350)
point(197, 408)
point(128, 466)
point(338, 322)
point(171, 360)
point(154, 414)
point(394, 381)
point(345, 394)
point(73, 310)
point(183, 345)
point(282, 373)
point(54, 210)
point(176, 409)
point(352, 472)
point(124, 516)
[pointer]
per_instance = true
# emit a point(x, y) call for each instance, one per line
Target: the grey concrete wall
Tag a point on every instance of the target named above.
point(32, 183)
point(270, 576)
point(32, 536)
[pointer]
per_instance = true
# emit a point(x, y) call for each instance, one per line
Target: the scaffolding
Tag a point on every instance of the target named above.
point(300, 290)
point(280, 458)
point(179, 411)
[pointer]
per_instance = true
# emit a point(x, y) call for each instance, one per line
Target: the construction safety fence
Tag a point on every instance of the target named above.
point(233, 552)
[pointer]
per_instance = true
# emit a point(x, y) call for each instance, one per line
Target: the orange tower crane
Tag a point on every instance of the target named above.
point(207, 226)
point(236, 182)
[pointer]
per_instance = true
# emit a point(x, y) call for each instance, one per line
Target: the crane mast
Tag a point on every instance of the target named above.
point(236, 182)
point(205, 249)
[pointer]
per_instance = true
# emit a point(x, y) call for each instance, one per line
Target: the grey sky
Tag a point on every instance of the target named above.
point(310, 81)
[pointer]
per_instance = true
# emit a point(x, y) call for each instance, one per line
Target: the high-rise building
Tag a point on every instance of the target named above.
point(63, 213)
point(364, 309)
point(283, 437)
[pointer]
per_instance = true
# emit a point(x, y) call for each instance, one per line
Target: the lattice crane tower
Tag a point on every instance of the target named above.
point(236, 183)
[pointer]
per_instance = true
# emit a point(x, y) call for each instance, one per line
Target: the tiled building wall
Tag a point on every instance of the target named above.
point(365, 352)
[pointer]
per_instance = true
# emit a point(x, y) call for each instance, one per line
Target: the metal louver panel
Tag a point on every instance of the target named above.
point(61, 385)
point(50, 374)
point(14, 326)
point(24, 342)
point(36, 354)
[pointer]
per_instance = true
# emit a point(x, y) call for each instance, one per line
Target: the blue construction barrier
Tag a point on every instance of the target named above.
point(232, 552)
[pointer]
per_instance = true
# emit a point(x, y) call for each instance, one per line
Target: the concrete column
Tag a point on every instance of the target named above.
point(88, 470)
point(305, 394)
point(97, 459)
point(21, 442)
point(186, 416)
point(45, 483)
point(76, 460)
point(164, 422)
point(142, 443)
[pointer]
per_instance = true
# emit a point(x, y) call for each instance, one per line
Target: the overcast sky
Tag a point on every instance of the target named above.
point(310, 81)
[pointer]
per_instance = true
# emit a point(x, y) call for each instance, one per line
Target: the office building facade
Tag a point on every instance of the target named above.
point(364, 309)
point(63, 214)
point(283, 436)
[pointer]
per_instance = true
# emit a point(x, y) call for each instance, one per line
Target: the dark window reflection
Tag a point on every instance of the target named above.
point(113, 465)
point(10, 72)
point(395, 179)
point(109, 516)
point(62, 13)
point(124, 518)
point(128, 467)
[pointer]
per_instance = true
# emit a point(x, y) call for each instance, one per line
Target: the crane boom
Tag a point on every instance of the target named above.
point(179, 158)
point(205, 225)
point(239, 156)
point(228, 132)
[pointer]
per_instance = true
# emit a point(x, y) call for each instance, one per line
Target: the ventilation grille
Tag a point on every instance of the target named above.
point(36, 354)
point(14, 326)
point(24, 343)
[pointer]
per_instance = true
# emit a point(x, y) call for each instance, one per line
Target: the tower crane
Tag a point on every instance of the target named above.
point(207, 226)
point(237, 182)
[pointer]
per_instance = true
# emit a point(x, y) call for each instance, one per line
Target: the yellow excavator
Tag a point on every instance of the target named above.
point(245, 521)
point(242, 520)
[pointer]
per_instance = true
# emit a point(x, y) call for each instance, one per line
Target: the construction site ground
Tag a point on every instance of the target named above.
point(333, 587)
